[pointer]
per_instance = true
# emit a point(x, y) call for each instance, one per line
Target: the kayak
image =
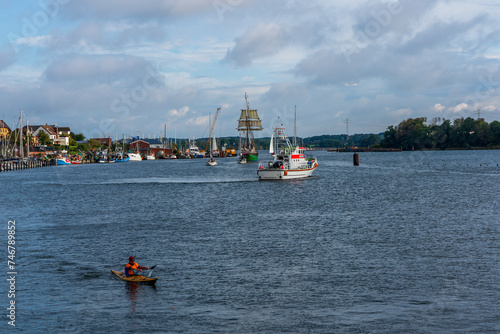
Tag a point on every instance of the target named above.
point(136, 278)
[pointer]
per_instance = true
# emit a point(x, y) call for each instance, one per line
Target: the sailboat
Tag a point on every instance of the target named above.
point(271, 145)
point(248, 122)
point(241, 159)
point(213, 145)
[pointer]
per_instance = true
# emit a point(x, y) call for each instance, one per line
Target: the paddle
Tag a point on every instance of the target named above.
point(151, 270)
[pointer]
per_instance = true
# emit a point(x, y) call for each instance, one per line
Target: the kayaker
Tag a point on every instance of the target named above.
point(132, 267)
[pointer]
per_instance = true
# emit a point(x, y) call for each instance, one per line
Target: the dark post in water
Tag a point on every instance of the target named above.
point(356, 159)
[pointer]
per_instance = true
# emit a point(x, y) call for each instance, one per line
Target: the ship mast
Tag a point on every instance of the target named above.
point(21, 147)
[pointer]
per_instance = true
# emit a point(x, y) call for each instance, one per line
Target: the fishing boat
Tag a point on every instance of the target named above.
point(150, 156)
point(61, 161)
point(289, 161)
point(102, 158)
point(120, 157)
point(135, 278)
point(248, 122)
point(134, 156)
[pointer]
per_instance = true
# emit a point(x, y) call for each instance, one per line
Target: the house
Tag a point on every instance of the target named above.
point(62, 135)
point(4, 129)
point(57, 135)
point(145, 146)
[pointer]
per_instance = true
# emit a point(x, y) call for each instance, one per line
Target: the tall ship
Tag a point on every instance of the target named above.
point(248, 122)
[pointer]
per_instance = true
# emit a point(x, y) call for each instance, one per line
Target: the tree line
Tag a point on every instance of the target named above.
point(415, 133)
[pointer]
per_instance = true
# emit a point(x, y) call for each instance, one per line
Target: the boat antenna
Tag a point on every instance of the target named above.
point(295, 128)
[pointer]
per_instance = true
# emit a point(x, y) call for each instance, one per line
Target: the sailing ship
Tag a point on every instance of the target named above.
point(248, 122)
point(289, 161)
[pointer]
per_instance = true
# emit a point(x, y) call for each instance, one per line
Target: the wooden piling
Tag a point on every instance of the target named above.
point(356, 159)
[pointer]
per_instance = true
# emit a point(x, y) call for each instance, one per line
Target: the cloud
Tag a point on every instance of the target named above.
point(139, 10)
point(116, 70)
point(460, 107)
point(176, 113)
point(260, 41)
point(438, 107)
point(7, 59)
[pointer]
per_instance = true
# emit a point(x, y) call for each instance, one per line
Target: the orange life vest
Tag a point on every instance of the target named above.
point(129, 269)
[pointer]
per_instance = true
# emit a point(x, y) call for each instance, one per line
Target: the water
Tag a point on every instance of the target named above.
point(407, 242)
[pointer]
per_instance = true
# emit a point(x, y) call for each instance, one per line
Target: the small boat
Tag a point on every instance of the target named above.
point(271, 145)
point(102, 158)
point(242, 160)
point(60, 161)
point(212, 143)
point(150, 156)
point(289, 161)
point(135, 278)
point(134, 156)
point(211, 162)
point(120, 157)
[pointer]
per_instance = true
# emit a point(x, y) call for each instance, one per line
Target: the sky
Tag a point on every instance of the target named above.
point(126, 67)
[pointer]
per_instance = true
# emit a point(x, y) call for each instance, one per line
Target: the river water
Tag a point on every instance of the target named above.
point(408, 242)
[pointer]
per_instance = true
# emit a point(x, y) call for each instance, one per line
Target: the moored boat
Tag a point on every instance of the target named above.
point(120, 157)
point(134, 156)
point(289, 161)
point(60, 161)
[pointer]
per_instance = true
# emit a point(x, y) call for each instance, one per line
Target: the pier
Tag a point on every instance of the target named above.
point(17, 164)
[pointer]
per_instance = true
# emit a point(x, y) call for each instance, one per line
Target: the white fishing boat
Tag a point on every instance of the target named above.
point(134, 156)
point(289, 161)
point(150, 156)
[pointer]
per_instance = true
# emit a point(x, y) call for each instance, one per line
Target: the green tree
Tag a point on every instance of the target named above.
point(494, 135)
point(370, 140)
point(77, 137)
point(390, 138)
point(412, 133)
point(43, 138)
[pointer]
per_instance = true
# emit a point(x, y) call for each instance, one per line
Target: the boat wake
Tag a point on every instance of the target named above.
point(159, 180)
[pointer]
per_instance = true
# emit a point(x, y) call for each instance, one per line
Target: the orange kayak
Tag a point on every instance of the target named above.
point(136, 278)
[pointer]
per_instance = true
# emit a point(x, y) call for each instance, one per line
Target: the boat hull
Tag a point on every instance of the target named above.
point(250, 156)
point(136, 279)
point(134, 157)
point(63, 161)
point(284, 174)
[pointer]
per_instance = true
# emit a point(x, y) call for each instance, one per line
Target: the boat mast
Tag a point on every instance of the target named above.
point(27, 137)
point(21, 149)
point(247, 137)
